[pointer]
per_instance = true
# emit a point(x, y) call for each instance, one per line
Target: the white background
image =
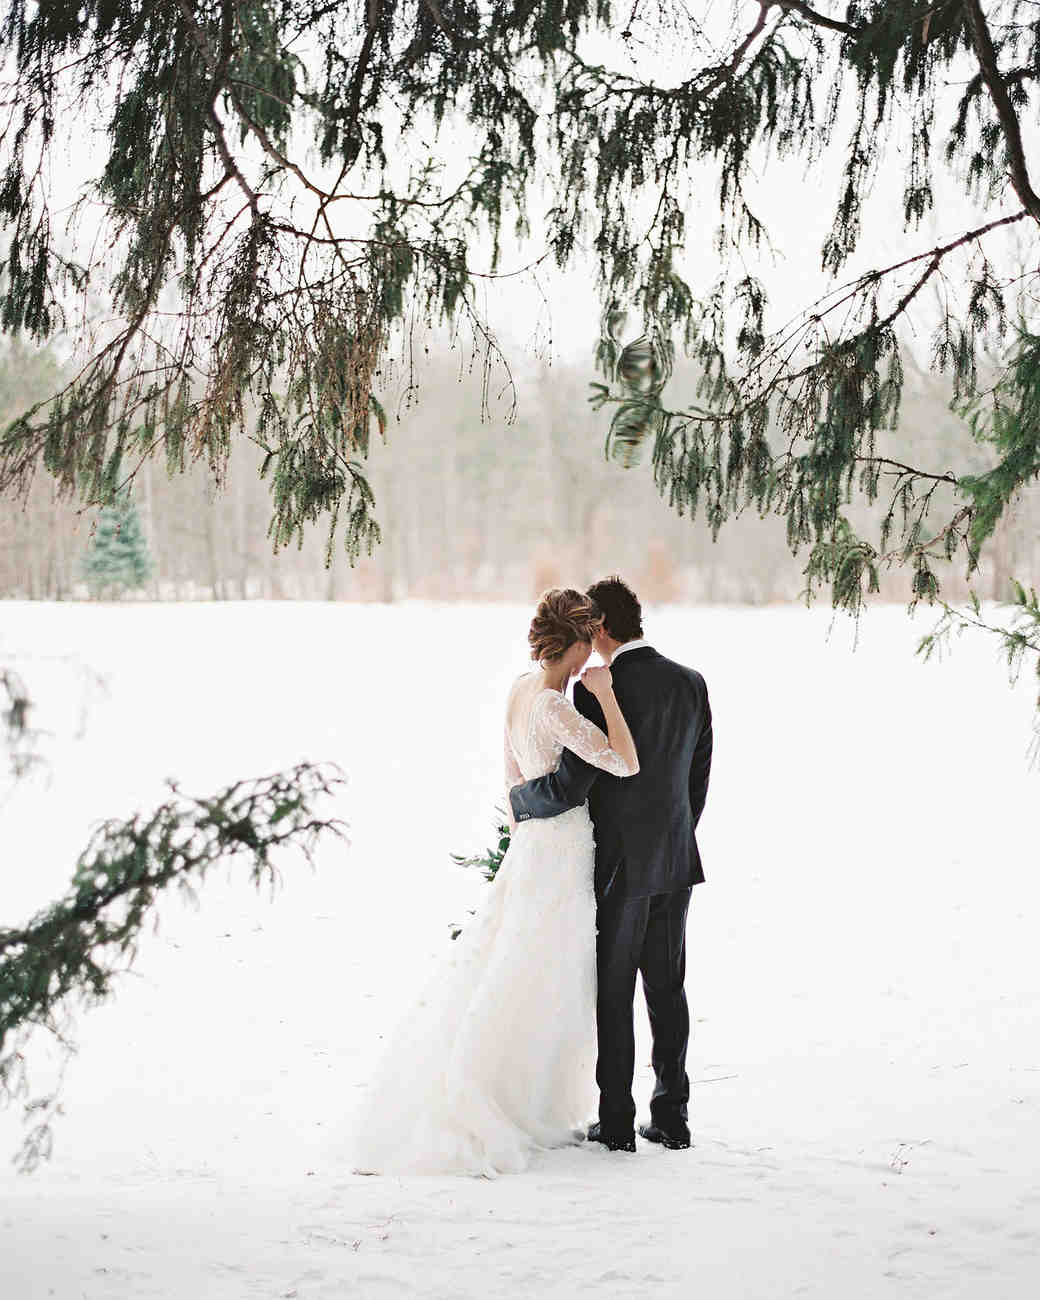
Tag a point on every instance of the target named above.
point(862, 970)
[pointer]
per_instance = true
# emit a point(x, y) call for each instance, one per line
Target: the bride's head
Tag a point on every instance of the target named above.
point(562, 629)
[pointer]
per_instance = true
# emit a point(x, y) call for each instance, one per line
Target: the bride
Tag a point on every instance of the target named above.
point(497, 1059)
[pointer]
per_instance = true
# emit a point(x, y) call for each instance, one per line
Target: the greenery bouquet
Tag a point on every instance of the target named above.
point(489, 861)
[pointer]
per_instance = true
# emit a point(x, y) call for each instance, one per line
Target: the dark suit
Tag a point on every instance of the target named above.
point(647, 861)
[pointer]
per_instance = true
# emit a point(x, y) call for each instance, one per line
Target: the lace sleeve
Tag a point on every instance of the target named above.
point(582, 737)
point(513, 775)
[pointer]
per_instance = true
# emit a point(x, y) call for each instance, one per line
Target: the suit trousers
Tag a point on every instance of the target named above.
point(646, 935)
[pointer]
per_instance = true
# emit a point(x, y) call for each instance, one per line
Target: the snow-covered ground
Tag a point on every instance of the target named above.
point(863, 970)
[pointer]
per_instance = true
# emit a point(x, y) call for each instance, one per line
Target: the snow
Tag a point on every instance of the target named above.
point(862, 969)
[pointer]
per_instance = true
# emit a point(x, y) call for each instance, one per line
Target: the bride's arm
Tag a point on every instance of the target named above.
point(614, 752)
point(599, 683)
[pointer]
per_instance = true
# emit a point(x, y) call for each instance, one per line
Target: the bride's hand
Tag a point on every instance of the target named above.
point(598, 681)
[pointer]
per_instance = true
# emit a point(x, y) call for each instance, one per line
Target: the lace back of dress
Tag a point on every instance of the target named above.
point(536, 750)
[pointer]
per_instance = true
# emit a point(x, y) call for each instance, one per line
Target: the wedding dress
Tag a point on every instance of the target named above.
point(497, 1058)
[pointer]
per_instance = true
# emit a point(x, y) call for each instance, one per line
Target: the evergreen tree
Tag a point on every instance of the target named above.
point(276, 214)
point(117, 558)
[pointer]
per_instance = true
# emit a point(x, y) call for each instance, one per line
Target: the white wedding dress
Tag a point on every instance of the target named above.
point(497, 1058)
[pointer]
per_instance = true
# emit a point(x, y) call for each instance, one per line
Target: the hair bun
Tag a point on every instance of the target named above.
point(563, 617)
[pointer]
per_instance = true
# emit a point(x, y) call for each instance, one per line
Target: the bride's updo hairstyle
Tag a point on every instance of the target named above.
point(563, 616)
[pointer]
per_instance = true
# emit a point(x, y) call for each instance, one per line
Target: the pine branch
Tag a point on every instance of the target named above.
point(962, 517)
point(438, 18)
point(817, 19)
point(987, 57)
point(18, 736)
point(72, 951)
point(898, 467)
point(218, 68)
point(1019, 641)
point(729, 68)
point(357, 81)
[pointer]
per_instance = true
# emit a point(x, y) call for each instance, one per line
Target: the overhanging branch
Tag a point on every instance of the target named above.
point(1009, 124)
point(817, 19)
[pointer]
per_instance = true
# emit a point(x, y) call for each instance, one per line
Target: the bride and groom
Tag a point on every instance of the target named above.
point(497, 1058)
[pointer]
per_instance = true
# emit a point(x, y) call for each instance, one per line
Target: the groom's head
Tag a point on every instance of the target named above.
point(622, 615)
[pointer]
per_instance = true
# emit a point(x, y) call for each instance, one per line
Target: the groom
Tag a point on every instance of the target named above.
point(646, 864)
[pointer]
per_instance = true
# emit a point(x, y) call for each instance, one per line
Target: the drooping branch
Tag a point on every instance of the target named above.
point(280, 316)
point(357, 82)
point(15, 707)
point(817, 19)
point(1019, 638)
point(1006, 114)
point(73, 951)
point(729, 68)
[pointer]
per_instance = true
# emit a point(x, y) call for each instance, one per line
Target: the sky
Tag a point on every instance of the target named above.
point(555, 314)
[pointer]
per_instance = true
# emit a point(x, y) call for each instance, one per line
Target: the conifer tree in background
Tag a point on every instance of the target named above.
point(274, 214)
point(117, 558)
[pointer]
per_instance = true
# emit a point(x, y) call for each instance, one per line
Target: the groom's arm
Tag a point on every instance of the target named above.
point(567, 787)
point(700, 767)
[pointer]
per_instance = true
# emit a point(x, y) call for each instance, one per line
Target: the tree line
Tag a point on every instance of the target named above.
point(471, 506)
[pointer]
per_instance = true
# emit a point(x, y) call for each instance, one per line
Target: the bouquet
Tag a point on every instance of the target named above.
point(489, 861)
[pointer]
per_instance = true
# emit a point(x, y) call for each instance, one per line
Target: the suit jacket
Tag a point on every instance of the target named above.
point(646, 841)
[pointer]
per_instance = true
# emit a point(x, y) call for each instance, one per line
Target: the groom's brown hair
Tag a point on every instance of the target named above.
point(619, 605)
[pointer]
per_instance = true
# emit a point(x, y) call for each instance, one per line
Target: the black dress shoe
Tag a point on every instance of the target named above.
point(673, 1139)
point(612, 1141)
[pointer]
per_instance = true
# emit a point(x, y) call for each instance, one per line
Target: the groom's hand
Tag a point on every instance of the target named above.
point(515, 814)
